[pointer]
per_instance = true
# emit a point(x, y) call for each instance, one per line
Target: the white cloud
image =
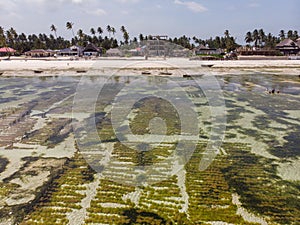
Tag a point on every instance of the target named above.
point(193, 6)
point(97, 12)
point(254, 5)
point(77, 1)
point(58, 2)
point(128, 1)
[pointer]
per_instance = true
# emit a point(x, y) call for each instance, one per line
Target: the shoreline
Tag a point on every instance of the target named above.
point(134, 66)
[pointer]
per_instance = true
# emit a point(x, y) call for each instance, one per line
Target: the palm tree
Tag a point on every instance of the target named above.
point(282, 35)
point(69, 26)
point(81, 36)
point(113, 30)
point(262, 36)
point(141, 37)
point(123, 29)
point(270, 41)
point(93, 32)
point(100, 31)
point(108, 28)
point(9, 37)
point(53, 29)
point(2, 37)
point(126, 37)
point(255, 37)
point(290, 34)
point(125, 34)
point(248, 37)
point(295, 35)
point(80, 33)
point(218, 42)
point(227, 34)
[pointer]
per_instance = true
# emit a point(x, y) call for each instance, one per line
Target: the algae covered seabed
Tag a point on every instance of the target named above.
point(54, 173)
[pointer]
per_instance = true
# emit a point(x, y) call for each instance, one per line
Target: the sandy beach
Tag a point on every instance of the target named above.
point(134, 66)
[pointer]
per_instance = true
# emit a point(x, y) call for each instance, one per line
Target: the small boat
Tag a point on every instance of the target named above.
point(1, 73)
point(38, 71)
point(165, 73)
point(81, 71)
point(192, 75)
point(146, 73)
point(207, 65)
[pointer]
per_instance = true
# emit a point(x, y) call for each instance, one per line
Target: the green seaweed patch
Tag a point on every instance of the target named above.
point(3, 163)
point(254, 179)
point(290, 149)
point(141, 157)
point(63, 195)
point(7, 188)
point(210, 197)
point(150, 108)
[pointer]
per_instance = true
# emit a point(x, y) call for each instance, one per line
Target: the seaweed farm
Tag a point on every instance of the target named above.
point(70, 156)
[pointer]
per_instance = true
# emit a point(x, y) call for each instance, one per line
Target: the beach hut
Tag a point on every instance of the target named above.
point(7, 51)
point(72, 51)
point(298, 42)
point(92, 50)
point(40, 53)
point(288, 47)
point(205, 50)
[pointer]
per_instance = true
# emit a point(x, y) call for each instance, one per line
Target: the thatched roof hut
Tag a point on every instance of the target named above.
point(40, 53)
point(72, 51)
point(92, 50)
point(7, 51)
point(289, 47)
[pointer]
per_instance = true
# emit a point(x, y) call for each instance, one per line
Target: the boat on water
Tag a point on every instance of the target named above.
point(207, 65)
point(1, 73)
point(165, 73)
point(38, 71)
point(81, 71)
point(192, 75)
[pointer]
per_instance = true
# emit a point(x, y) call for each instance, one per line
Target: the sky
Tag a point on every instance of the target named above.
point(200, 18)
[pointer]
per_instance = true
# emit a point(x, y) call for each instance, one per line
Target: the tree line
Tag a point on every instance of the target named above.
point(260, 39)
point(105, 38)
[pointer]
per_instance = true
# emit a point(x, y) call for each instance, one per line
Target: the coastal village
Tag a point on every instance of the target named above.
point(258, 45)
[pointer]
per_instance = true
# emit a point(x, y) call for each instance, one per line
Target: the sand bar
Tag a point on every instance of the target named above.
point(134, 66)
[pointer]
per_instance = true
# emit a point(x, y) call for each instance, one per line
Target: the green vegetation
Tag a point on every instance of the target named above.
point(210, 195)
point(151, 108)
point(64, 195)
point(3, 164)
point(254, 179)
point(214, 56)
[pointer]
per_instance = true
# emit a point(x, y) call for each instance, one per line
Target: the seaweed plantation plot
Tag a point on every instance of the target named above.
point(107, 163)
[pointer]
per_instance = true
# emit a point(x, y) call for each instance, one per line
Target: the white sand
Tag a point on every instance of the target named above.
point(290, 171)
point(107, 66)
point(78, 216)
point(247, 216)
